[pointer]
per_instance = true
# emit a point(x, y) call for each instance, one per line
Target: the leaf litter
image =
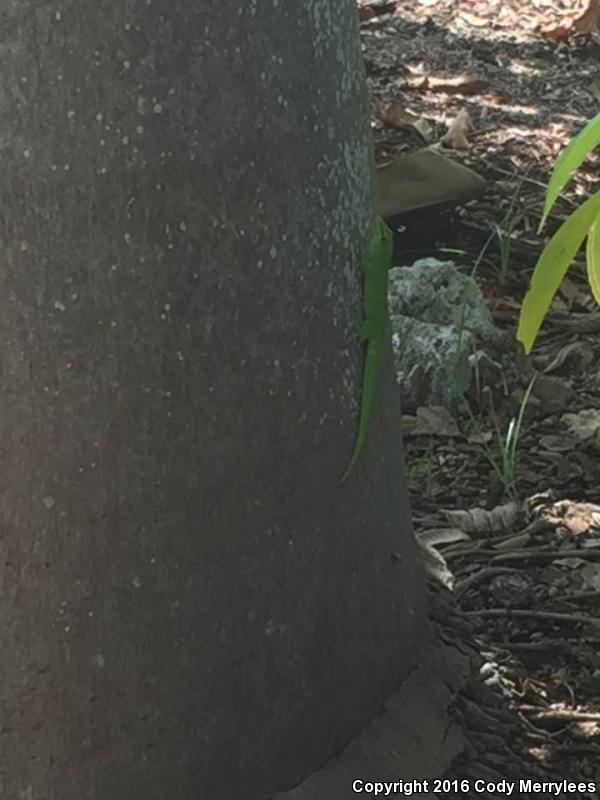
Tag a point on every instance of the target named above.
point(503, 86)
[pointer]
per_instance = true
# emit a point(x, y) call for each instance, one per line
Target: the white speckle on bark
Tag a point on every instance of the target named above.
point(99, 659)
point(49, 502)
point(59, 306)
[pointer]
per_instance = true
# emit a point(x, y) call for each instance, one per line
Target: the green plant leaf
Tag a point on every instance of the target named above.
point(551, 266)
point(568, 161)
point(592, 257)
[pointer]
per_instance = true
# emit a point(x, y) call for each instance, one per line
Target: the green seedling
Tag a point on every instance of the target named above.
point(504, 233)
point(504, 457)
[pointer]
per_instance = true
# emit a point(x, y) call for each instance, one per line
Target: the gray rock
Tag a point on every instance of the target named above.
point(437, 316)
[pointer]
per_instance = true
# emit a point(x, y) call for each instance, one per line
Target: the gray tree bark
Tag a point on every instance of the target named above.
point(190, 604)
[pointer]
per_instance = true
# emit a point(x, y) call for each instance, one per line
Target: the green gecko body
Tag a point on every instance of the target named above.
point(375, 267)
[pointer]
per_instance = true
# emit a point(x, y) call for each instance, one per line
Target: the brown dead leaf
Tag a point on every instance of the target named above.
point(556, 443)
point(553, 393)
point(436, 536)
point(397, 116)
point(578, 354)
point(559, 33)
point(587, 22)
point(576, 323)
point(367, 12)
point(573, 293)
point(430, 421)
point(474, 20)
point(456, 135)
point(480, 521)
point(457, 84)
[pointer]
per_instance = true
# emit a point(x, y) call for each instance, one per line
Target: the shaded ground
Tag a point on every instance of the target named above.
point(526, 567)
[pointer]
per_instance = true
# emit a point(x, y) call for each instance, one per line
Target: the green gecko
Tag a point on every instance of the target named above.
point(375, 265)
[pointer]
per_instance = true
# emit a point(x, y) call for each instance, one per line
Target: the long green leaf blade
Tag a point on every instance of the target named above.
point(551, 266)
point(571, 157)
point(592, 257)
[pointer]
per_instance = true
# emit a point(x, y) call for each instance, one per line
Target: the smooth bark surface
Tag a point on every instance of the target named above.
point(190, 604)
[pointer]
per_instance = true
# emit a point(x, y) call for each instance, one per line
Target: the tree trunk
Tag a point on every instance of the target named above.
point(191, 605)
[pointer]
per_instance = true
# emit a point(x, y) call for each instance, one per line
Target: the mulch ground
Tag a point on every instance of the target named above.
point(524, 567)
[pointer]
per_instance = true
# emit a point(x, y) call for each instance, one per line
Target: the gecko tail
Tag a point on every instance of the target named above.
point(358, 448)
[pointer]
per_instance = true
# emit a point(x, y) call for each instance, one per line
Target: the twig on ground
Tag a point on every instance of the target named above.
point(551, 616)
point(566, 714)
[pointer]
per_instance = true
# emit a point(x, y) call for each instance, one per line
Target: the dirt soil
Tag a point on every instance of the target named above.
point(522, 559)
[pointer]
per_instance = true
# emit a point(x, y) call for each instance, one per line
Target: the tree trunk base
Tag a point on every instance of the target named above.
point(414, 738)
point(444, 722)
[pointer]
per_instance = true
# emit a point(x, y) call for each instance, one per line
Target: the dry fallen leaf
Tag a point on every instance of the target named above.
point(430, 421)
point(393, 113)
point(587, 22)
point(474, 20)
point(456, 84)
point(397, 116)
point(456, 135)
point(482, 522)
point(375, 9)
